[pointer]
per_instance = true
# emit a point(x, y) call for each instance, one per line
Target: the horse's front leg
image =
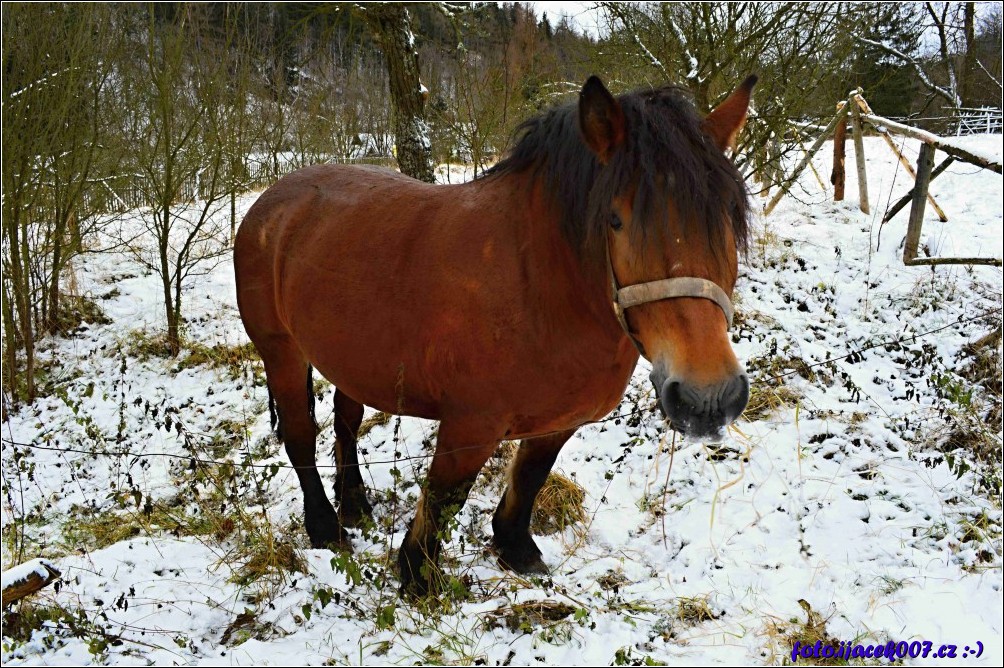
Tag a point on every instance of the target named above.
point(461, 450)
point(511, 522)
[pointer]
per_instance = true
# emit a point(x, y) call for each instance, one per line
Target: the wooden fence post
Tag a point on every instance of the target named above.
point(859, 154)
point(837, 176)
point(785, 185)
point(925, 162)
point(902, 159)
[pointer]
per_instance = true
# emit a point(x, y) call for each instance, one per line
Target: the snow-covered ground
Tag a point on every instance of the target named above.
point(841, 512)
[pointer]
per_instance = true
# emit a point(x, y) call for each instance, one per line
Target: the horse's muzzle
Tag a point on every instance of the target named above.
point(701, 412)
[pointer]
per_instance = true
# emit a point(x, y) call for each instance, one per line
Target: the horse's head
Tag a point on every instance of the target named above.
point(675, 207)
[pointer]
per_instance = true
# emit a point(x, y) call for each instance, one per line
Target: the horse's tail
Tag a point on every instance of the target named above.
point(273, 416)
point(310, 392)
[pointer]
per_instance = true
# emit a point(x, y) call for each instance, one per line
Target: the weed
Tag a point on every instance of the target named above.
point(233, 359)
point(50, 624)
point(247, 626)
point(625, 656)
point(76, 310)
point(144, 346)
point(807, 633)
point(769, 390)
point(695, 610)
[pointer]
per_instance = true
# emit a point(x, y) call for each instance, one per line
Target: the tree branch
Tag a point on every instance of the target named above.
point(950, 96)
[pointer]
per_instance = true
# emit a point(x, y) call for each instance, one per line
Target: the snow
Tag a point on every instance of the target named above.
point(648, 54)
point(682, 40)
point(842, 499)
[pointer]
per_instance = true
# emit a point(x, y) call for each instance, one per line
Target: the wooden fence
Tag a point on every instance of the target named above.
point(862, 119)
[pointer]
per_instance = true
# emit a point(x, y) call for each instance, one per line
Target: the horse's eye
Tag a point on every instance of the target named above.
point(615, 222)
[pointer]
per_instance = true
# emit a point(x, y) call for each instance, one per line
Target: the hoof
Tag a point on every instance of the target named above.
point(325, 531)
point(525, 560)
point(413, 590)
point(419, 573)
point(338, 542)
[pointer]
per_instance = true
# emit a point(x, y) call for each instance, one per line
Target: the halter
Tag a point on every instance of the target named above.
point(666, 288)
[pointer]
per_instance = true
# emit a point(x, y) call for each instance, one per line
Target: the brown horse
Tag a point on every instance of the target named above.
point(495, 306)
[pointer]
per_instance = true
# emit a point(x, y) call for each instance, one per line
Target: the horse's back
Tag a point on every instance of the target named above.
point(307, 210)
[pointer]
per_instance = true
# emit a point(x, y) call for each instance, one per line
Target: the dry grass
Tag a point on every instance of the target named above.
point(693, 610)
point(221, 356)
point(265, 557)
point(75, 310)
point(93, 530)
point(525, 616)
point(785, 634)
point(769, 390)
point(379, 419)
point(559, 505)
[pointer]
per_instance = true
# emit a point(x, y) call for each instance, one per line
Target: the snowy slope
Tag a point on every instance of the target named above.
point(839, 509)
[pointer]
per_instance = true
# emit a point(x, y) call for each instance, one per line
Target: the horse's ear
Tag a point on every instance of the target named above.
point(726, 120)
point(601, 119)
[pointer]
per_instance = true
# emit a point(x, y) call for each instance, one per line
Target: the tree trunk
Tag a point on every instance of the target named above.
point(969, 58)
point(174, 319)
point(171, 309)
point(18, 314)
point(52, 303)
point(391, 26)
point(22, 300)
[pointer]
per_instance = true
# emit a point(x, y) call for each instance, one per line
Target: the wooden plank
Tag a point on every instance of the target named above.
point(785, 186)
point(838, 175)
point(902, 159)
point(859, 155)
point(919, 199)
point(905, 199)
point(962, 154)
point(26, 579)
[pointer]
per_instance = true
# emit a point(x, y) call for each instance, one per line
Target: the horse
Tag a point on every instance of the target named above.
point(514, 306)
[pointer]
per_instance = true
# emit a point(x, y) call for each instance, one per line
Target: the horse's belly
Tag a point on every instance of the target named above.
point(447, 367)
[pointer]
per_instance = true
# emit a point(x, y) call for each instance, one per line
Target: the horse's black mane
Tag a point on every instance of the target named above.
point(665, 152)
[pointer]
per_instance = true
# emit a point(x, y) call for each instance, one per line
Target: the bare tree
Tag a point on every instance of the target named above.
point(708, 47)
point(951, 74)
point(57, 64)
point(180, 140)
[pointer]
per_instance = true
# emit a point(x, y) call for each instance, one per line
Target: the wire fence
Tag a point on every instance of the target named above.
point(120, 193)
point(888, 344)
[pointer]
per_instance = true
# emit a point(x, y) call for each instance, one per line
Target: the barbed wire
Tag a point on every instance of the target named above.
point(194, 459)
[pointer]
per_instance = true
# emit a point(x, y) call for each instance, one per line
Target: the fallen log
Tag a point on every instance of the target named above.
point(26, 579)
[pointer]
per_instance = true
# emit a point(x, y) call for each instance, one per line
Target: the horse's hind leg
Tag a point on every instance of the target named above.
point(459, 456)
point(511, 523)
point(288, 380)
point(350, 491)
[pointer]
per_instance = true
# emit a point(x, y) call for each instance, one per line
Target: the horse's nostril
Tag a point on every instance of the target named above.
point(671, 400)
point(736, 397)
